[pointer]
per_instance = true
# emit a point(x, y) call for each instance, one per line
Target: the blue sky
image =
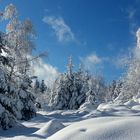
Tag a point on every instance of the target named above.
point(95, 32)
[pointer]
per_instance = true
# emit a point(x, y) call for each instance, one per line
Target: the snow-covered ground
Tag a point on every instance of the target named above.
point(107, 122)
point(105, 128)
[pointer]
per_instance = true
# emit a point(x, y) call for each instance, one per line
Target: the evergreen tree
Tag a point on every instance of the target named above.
point(97, 90)
point(131, 81)
point(7, 119)
point(72, 89)
point(118, 89)
point(43, 87)
point(36, 86)
point(114, 89)
point(65, 90)
point(16, 99)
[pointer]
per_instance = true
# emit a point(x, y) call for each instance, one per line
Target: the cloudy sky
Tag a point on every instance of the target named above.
point(95, 33)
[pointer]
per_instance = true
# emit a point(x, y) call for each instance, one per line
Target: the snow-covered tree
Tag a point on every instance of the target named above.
point(43, 87)
point(68, 91)
point(131, 80)
point(7, 119)
point(42, 93)
point(97, 90)
point(19, 37)
point(131, 84)
point(36, 86)
point(20, 99)
point(72, 89)
point(114, 89)
point(16, 99)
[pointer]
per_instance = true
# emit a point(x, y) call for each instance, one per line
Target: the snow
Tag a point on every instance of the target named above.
point(49, 128)
point(136, 107)
point(87, 106)
point(108, 122)
point(104, 128)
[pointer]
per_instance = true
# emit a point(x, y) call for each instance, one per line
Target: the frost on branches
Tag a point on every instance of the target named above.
point(16, 99)
point(131, 80)
point(72, 89)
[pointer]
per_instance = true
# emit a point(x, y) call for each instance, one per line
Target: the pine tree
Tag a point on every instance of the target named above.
point(7, 119)
point(97, 91)
point(36, 86)
point(118, 89)
point(72, 89)
point(43, 87)
point(112, 90)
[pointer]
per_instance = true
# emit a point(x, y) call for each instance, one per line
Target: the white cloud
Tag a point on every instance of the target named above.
point(62, 31)
point(91, 61)
point(45, 71)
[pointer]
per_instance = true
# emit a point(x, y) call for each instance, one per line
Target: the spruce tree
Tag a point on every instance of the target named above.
point(43, 87)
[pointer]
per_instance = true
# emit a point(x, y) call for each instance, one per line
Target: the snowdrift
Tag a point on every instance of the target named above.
point(107, 122)
point(49, 128)
point(104, 128)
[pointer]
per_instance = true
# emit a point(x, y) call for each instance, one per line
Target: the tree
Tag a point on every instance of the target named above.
point(20, 99)
point(7, 119)
point(19, 37)
point(16, 99)
point(43, 87)
point(114, 89)
point(72, 89)
point(36, 86)
point(131, 80)
point(67, 91)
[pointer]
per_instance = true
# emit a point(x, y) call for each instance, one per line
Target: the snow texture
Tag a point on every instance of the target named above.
point(107, 122)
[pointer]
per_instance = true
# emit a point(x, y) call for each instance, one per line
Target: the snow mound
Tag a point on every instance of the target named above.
point(136, 107)
point(87, 106)
point(103, 128)
point(49, 128)
point(112, 107)
point(131, 103)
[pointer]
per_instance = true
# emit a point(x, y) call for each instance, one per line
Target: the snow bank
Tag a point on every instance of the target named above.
point(49, 128)
point(87, 106)
point(131, 103)
point(112, 108)
point(105, 128)
point(108, 122)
